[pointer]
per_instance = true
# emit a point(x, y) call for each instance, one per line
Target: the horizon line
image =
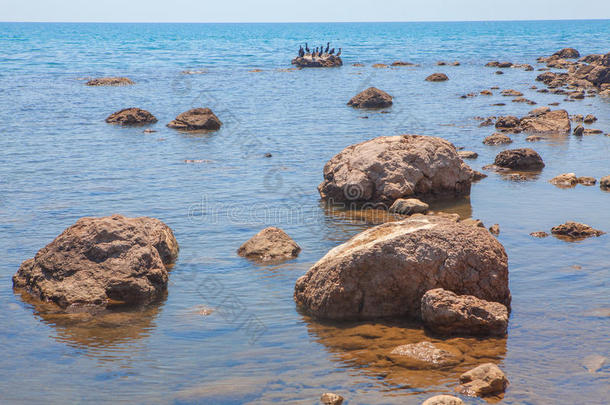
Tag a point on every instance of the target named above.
point(294, 22)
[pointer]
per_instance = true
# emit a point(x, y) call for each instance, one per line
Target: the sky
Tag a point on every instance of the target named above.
point(299, 11)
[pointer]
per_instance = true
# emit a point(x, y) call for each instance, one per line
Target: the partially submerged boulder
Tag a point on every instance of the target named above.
point(567, 53)
point(484, 380)
point(98, 262)
point(330, 398)
point(196, 119)
point(575, 230)
point(309, 61)
point(497, 139)
point(447, 313)
point(131, 116)
point(386, 168)
point(408, 206)
point(604, 183)
point(565, 180)
point(557, 121)
point(443, 400)
point(385, 270)
point(508, 123)
point(437, 77)
point(371, 98)
point(270, 245)
point(425, 355)
point(110, 81)
point(468, 154)
point(519, 159)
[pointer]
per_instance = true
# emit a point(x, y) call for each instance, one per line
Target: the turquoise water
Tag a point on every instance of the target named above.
point(61, 161)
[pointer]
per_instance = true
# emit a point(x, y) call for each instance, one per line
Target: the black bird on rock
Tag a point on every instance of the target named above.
point(339, 53)
point(327, 47)
point(331, 51)
point(306, 48)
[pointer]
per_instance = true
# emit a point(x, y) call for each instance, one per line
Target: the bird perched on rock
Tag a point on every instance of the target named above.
point(327, 47)
point(331, 51)
point(306, 48)
point(339, 53)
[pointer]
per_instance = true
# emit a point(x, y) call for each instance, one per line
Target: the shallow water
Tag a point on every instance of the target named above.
point(61, 161)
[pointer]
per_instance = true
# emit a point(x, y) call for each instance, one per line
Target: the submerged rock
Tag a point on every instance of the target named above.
point(587, 180)
point(196, 119)
point(425, 355)
point(497, 139)
point(409, 206)
point(401, 63)
point(519, 159)
point(98, 262)
point(330, 398)
point(386, 168)
point(371, 98)
point(131, 116)
point(511, 93)
point(270, 245)
point(448, 313)
point(467, 154)
point(385, 270)
point(437, 77)
point(565, 180)
point(575, 230)
point(443, 400)
point(539, 234)
point(110, 81)
point(484, 380)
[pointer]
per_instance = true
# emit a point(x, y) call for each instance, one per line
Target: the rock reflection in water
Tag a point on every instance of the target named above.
point(366, 346)
point(103, 329)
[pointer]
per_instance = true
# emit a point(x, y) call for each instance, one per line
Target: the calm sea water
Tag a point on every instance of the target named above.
point(61, 161)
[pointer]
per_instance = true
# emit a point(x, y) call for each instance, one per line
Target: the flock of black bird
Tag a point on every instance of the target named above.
point(318, 52)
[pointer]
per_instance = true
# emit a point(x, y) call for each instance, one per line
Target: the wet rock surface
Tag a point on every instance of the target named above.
point(447, 313)
point(384, 271)
point(443, 400)
point(575, 230)
point(497, 139)
point(131, 116)
point(196, 119)
point(270, 245)
point(99, 262)
point(556, 121)
point(564, 180)
point(408, 206)
point(425, 355)
point(386, 168)
point(467, 154)
point(371, 98)
point(437, 77)
point(309, 61)
point(330, 398)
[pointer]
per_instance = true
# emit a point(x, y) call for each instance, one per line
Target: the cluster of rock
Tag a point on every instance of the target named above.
point(570, 231)
point(590, 74)
point(503, 65)
point(542, 120)
point(196, 119)
point(569, 180)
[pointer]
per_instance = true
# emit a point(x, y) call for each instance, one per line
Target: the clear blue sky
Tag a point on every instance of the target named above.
point(303, 10)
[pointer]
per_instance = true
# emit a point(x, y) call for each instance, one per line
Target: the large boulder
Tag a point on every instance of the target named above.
point(131, 116)
point(110, 81)
point(484, 380)
point(196, 119)
point(557, 121)
point(386, 168)
point(371, 98)
point(384, 271)
point(448, 313)
point(102, 261)
point(270, 245)
point(575, 230)
point(519, 159)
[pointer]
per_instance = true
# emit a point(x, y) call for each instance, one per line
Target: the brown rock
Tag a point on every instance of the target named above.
point(484, 380)
point(565, 180)
point(110, 81)
point(325, 61)
point(401, 63)
point(533, 138)
point(437, 77)
point(556, 121)
point(587, 181)
point(511, 93)
point(505, 64)
point(567, 53)
point(539, 111)
point(519, 159)
point(390, 167)
point(385, 270)
point(492, 64)
point(448, 313)
point(425, 355)
point(443, 400)
point(409, 206)
point(380, 65)
point(494, 229)
point(330, 398)
point(575, 230)
point(590, 119)
point(196, 119)
point(270, 245)
point(131, 116)
point(508, 123)
point(371, 98)
point(579, 130)
point(441, 63)
point(467, 154)
point(497, 139)
point(604, 183)
point(486, 93)
point(592, 131)
point(99, 262)
point(539, 234)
